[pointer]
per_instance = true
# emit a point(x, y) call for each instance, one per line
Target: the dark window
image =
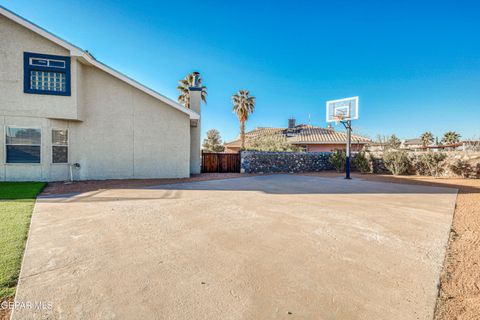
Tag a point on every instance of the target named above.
point(23, 154)
point(59, 146)
point(60, 154)
point(23, 145)
point(46, 74)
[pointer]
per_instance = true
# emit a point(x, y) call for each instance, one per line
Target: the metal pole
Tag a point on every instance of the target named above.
point(349, 140)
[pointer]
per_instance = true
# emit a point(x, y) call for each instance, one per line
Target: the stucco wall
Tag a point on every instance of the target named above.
point(14, 41)
point(118, 131)
point(33, 172)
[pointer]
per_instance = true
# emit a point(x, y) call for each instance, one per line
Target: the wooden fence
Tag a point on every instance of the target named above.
point(220, 162)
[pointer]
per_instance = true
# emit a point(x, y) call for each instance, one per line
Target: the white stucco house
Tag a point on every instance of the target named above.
point(64, 113)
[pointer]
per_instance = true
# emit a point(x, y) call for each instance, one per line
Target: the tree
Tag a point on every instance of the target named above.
point(427, 138)
point(243, 105)
point(393, 142)
point(271, 142)
point(213, 141)
point(185, 84)
point(382, 142)
point(451, 137)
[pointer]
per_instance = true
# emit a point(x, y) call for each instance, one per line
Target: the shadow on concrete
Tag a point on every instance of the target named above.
point(277, 184)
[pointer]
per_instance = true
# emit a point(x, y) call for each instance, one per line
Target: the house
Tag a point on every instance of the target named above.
point(417, 145)
point(412, 144)
point(64, 114)
point(309, 138)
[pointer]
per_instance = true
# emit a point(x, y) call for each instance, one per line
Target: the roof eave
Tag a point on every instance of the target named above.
point(85, 57)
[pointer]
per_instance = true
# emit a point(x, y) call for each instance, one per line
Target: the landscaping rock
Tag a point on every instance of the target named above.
point(287, 162)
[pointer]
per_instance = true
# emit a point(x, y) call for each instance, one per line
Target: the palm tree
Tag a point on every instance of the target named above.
point(427, 138)
point(393, 142)
point(185, 84)
point(243, 105)
point(451, 137)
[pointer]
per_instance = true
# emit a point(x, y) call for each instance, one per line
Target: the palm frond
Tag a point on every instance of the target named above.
point(184, 85)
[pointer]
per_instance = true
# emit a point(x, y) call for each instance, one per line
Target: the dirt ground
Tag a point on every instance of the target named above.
point(459, 296)
point(5, 312)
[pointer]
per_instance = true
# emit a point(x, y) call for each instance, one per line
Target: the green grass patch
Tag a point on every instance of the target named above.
point(16, 204)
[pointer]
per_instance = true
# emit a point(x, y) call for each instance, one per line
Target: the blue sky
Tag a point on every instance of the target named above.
point(414, 64)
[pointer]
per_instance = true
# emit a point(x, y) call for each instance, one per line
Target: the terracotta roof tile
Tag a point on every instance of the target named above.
point(303, 134)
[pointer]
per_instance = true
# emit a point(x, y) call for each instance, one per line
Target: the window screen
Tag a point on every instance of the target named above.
point(23, 145)
point(60, 146)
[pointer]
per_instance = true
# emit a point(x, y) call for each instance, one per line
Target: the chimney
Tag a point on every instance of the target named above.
point(291, 123)
point(195, 93)
point(195, 102)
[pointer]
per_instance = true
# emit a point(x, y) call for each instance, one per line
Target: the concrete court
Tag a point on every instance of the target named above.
point(264, 247)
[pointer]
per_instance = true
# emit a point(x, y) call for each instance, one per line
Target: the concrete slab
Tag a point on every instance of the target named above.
point(266, 247)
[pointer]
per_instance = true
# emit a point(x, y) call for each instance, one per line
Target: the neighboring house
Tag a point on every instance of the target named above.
point(309, 138)
point(59, 106)
point(417, 145)
point(470, 145)
point(412, 144)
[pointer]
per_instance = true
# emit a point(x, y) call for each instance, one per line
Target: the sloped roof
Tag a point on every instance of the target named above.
point(86, 58)
point(303, 134)
point(324, 135)
point(415, 141)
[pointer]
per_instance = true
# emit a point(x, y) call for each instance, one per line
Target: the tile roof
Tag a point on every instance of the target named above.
point(416, 141)
point(303, 134)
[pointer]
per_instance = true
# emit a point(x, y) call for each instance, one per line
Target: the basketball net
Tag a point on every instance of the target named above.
point(339, 118)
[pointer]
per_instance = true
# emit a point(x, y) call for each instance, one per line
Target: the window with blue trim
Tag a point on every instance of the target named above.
point(46, 74)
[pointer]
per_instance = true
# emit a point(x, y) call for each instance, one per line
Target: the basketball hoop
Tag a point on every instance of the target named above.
point(344, 111)
point(338, 118)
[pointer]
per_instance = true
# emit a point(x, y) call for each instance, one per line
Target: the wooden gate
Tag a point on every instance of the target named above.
point(220, 162)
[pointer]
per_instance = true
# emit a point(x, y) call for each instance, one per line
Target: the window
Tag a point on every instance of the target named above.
point(59, 146)
point(46, 74)
point(23, 145)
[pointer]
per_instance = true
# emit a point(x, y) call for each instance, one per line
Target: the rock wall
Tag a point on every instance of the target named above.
point(289, 162)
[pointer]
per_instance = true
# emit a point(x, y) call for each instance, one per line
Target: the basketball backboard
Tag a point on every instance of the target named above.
point(342, 109)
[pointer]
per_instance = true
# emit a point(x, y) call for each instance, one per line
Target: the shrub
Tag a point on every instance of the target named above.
point(431, 163)
point(361, 162)
point(338, 159)
point(462, 168)
point(396, 162)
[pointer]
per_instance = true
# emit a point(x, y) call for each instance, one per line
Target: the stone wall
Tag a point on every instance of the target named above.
point(289, 162)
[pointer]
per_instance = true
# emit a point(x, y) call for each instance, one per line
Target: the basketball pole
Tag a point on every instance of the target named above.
point(348, 126)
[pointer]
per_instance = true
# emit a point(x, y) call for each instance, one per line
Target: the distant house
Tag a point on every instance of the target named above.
point(63, 113)
point(412, 144)
point(417, 145)
point(470, 145)
point(309, 138)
